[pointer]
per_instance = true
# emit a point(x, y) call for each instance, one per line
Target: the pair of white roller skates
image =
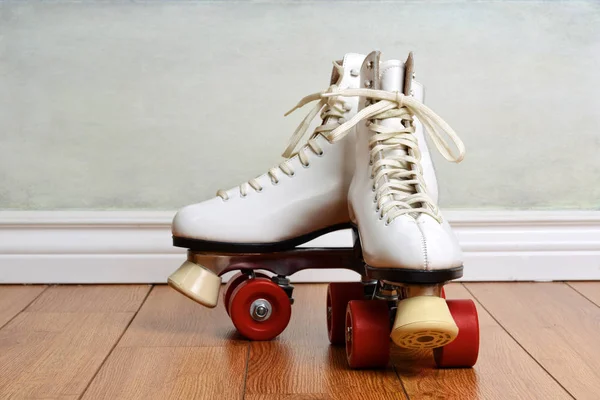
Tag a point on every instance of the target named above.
point(366, 167)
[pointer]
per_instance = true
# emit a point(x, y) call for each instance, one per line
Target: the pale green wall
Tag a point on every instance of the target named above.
point(155, 105)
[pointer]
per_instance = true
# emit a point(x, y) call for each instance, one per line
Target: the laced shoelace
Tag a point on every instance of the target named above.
point(403, 190)
point(330, 108)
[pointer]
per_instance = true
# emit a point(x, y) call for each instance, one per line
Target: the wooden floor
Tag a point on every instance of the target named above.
point(538, 341)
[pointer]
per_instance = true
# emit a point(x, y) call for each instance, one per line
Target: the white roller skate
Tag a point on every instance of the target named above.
point(407, 245)
point(252, 225)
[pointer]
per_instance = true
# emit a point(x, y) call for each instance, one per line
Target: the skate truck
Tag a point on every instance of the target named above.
point(361, 315)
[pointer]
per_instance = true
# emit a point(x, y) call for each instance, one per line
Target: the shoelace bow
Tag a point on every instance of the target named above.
point(327, 107)
point(403, 190)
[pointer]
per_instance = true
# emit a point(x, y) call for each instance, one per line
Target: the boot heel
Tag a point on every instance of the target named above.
point(197, 283)
point(423, 322)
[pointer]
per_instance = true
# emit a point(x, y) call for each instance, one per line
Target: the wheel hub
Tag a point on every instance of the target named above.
point(260, 310)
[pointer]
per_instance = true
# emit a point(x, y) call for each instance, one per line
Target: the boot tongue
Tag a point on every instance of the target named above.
point(392, 76)
point(396, 76)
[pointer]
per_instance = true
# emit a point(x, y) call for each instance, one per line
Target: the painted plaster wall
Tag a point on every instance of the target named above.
point(153, 105)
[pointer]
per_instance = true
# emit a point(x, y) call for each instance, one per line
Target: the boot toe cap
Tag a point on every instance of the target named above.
point(194, 221)
point(408, 243)
point(441, 246)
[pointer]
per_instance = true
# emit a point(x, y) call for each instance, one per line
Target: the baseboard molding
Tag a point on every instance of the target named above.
point(135, 246)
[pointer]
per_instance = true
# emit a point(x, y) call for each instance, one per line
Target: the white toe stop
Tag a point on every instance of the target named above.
point(197, 283)
point(423, 322)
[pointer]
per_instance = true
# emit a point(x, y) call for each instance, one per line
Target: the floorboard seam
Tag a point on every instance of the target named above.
point(519, 343)
point(401, 382)
point(24, 308)
point(115, 344)
point(582, 295)
point(246, 372)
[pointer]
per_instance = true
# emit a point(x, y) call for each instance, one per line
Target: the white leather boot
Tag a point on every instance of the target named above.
point(393, 199)
point(302, 198)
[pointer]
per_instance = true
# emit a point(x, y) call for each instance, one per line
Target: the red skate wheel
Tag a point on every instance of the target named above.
point(338, 296)
point(463, 351)
point(259, 309)
point(367, 334)
point(233, 283)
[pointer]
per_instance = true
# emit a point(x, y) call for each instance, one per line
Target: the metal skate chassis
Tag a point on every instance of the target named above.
point(287, 263)
point(283, 263)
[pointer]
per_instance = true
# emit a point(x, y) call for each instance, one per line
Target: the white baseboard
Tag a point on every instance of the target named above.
point(135, 246)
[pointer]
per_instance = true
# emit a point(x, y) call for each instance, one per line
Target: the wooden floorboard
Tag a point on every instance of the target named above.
point(538, 341)
point(171, 373)
point(174, 349)
point(555, 324)
point(503, 371)
point(91, 299)
point(590, 290)
point(169, 319)
point(53, 349)
point(14, 298)
point(343, 395)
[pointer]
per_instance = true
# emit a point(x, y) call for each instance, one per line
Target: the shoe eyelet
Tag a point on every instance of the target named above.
point(368, 83)
point(380, 217)
point(387, 222)
point(305, 166)
point(260, 190)
point(373, 188)
point(292, 174)
point(320, 154)
point(243, 196)
point(370, 65)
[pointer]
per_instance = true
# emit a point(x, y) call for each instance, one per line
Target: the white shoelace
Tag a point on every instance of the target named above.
point(403, 190)
point(327, 107)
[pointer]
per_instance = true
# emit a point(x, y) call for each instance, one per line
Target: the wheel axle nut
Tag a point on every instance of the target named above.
point(260, 310)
